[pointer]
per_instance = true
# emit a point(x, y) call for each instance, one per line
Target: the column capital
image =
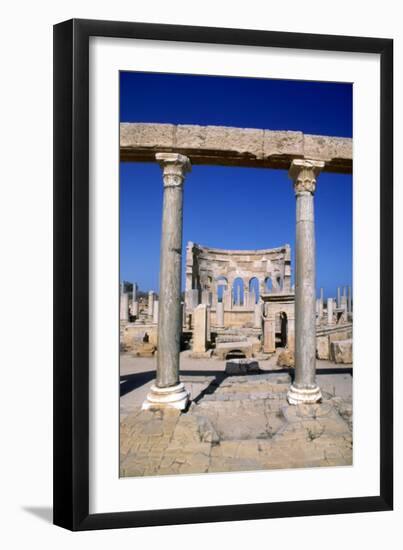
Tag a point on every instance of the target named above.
point(304, 173)
point(174, 167)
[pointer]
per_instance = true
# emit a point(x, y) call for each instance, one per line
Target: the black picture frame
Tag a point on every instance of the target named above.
point(71, 274)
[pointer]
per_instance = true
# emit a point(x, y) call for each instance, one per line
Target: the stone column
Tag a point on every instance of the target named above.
point(183, 315)
point(124, 307)
point(135, 309)
point(200, 329)
point(338, 296)
point(291, 333)
point(304, 389)
point(150, 311)
point(134, 293)
point(220, 314)
point(330, 311)
point(258, 316)
point(208, 330)
point(167, 390)
point(227, 298)
point(349, 300)
point(321, 305)
point(318, 311)
point(155, 311)
point(246, 298)
point(344, 307)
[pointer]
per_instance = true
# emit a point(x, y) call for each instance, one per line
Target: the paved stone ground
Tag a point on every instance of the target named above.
point(234, 423)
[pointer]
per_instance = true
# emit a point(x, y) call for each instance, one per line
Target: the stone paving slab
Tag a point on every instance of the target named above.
point(239, 423)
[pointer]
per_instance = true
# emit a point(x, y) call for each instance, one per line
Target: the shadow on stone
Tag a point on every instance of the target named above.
point(131, 382)
point(242, 367)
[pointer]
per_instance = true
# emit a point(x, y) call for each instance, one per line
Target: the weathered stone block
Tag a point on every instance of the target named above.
point(322, 347)
point(283, 143)
point(342, 351)
point(238, 140)
point(190, 136)
point(327, 148)
point(146, 135)
point(200, 329)
point(286, 358)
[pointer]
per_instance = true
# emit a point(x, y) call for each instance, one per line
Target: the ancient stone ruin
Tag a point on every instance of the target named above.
point(236, 301)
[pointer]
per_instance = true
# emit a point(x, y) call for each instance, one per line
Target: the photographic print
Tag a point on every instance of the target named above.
point(236, 272)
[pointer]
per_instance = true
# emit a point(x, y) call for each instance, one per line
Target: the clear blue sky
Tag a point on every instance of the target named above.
point(227, 207)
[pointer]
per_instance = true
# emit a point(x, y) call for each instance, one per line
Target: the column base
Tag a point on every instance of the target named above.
point(296, 396)
point(172, 397)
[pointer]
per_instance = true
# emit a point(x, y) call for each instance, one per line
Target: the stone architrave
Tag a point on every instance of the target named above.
point(257, 319)
point(220, 314)
point(304, 388)
point(155, 311)
point(124, 307)
point(150, 310)
point(200, 329)
point(330, 319)
point(168, 391)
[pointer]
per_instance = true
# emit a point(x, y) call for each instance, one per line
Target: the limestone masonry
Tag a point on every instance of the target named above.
point(233, 146)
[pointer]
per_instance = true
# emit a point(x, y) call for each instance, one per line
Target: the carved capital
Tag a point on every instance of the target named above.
point(174, 168)
point(304, 173)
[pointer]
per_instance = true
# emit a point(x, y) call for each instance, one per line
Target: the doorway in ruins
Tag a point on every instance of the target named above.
point(281, 322)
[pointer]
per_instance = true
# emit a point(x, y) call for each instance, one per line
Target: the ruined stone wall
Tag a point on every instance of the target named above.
point(208, 268)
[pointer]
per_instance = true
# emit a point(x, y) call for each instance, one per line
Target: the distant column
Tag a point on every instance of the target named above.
point(330, 303)
point(183, 315)
point(349, 302)
point(291, 333)
point(150, 303)
point(135, 309)
point(220, 314)
point(124, 306)
point(155, 311)
point(134, 293)
point(200, 329)
point(246, 298)
point(318, 319)
point(258, 315)
point(304, 389)
point(167, 390)
point(321, 305)
point(338, 297)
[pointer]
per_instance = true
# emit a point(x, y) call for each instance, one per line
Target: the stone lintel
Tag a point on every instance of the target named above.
point(227, 146)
